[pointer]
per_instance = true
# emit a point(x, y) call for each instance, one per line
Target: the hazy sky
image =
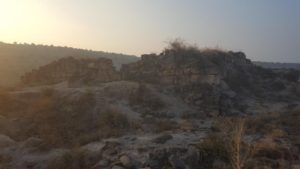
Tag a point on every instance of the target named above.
point(265, 30)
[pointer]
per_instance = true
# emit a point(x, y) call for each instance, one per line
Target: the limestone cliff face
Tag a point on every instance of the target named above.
point(185, 67)
point(86, 71)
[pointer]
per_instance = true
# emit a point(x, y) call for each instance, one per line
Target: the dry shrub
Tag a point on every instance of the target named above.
point(272, 150)
point(241, 151)
point(179, 46)
point(232, 132)
point(214, 51)
point(211, 149)
point(268, 124)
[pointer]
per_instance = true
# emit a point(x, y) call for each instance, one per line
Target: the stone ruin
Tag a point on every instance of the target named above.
point(165, 69)
point(173, 69)
point(209, 79)
point(73, 70)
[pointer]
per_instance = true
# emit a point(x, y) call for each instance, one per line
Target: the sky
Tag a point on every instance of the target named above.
point(266, 30)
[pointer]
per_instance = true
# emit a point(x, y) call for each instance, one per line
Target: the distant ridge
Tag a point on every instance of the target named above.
point(276, 65)
point(16, 59)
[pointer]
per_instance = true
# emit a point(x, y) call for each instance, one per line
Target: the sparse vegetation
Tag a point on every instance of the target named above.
point(145, 98)
point(267, 124)
point(112, 123)
point(232, 134)
point(211, 149)
point(262, 146)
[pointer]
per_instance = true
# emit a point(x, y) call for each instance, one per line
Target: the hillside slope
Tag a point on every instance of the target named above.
point(16, 59)
point(178, 109)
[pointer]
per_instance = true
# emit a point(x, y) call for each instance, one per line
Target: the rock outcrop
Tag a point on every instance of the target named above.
point(185, 67)
point(212, 80)
point(208, 79)
point(169, 68)
point(86, 71)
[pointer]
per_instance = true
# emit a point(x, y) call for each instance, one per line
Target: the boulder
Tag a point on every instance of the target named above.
point(128, 162)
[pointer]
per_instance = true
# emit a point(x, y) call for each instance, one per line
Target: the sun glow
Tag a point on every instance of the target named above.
point(28, 21)
point(17, 18)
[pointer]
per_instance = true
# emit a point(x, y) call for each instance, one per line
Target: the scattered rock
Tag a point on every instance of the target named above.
point(219, 164)
point(101, 164)
point(117, 167)
point(126, 161)
point(176, 163)
point(162, 138)
point(191, 157)
point(129, 162)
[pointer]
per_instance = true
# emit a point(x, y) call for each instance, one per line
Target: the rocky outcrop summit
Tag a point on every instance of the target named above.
point(185, 67)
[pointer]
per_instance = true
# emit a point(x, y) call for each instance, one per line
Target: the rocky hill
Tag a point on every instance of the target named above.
point(212, 80)
point(16, 59)
point(183, 108)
